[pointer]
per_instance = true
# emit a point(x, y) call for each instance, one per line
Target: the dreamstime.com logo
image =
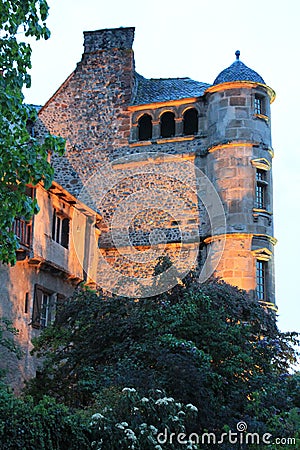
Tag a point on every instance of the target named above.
point(138, 197)
point(240, 436)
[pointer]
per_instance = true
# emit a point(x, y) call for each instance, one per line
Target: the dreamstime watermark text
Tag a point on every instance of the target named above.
point(240, 436)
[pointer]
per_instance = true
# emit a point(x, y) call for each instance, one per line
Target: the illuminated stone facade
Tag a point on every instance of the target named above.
point(150, 140)
point(48, 269)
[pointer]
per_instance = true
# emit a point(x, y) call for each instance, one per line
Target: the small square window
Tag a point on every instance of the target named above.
point(259, 105)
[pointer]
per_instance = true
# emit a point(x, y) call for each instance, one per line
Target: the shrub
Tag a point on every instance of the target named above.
point(141, 422)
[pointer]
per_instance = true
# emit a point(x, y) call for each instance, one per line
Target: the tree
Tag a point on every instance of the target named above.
point(7, 343)
point(23, 159)
point(208, 345)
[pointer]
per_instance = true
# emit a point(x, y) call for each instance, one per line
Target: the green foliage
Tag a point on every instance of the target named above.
point(208, 345)
point(7, 331)
point(23, 159)
point(45, 426)
point(7, 343)
point(137, 422)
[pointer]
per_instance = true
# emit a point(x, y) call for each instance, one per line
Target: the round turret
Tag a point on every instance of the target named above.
point(239, 106)
point(239, 160)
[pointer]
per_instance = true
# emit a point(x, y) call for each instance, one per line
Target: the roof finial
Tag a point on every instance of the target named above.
point(237, 54)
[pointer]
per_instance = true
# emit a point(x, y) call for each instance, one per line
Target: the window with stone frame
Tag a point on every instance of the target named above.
point(43, 307)
point(60, 228)
point(190, 122)
point(259, 105)
point(167, 124)
point(145, 127)
point(261, 285)
point(261, 189)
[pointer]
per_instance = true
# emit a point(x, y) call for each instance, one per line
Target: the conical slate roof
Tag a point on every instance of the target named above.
point(238, 71)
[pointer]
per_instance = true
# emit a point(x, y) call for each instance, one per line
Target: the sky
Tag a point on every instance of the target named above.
point(198, 39)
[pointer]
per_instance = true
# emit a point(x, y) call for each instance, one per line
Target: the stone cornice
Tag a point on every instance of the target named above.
point(240, 85)
point(231, 145)
point(156, 105)
point(216, 237)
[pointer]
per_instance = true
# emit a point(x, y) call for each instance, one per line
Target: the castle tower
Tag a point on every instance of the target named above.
point(239, 163)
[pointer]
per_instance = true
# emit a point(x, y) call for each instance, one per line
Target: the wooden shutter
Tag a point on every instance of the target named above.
point(37, 306)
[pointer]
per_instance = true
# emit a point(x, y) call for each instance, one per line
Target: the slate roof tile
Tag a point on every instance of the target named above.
point(166, 89)
point(238, 71)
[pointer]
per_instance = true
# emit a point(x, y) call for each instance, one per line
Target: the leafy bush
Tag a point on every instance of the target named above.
point(45, 426)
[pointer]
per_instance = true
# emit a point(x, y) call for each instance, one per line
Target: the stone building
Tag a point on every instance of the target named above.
point(152, 167)
point(48, 269)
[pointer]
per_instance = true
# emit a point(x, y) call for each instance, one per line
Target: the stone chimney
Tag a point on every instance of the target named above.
point(111, 49)
point(108, 39)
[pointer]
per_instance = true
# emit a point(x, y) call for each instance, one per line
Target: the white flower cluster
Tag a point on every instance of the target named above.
point(121, 425)
point(95, 418)
point(130, 434)
point(144, 431)
point(127, 389)
point(192, 407)
point(164, 401)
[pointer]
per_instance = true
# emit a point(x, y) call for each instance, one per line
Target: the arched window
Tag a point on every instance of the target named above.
point(167, 124)
point(190, 122)
point(145, 127)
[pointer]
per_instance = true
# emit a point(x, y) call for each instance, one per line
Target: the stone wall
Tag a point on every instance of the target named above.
point(231, 116)
point(17, 284)
point(236, 264)
point(230, 168)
